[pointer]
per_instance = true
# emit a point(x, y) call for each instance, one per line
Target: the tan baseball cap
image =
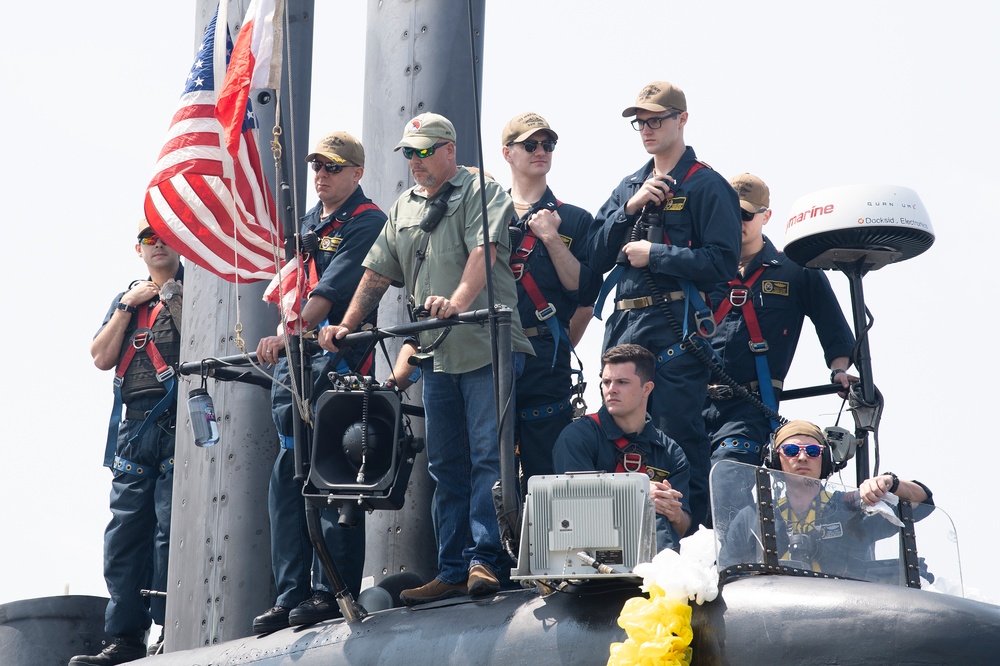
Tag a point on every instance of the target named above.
point(658, 96)
point(339, 148)
point(753, 192)
point(425, 130)
point(799, 428)
point(144, 228)
point(523, 125)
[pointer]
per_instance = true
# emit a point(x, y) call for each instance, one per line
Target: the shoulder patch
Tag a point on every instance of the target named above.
point(774, 287)
point(567, 241)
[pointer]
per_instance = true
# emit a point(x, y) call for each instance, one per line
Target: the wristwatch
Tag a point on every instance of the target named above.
point(126, 308)
point(895, 481)
point(834, 373)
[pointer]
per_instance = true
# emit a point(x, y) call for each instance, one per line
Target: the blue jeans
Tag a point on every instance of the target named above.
point(463, 458)
point(137, 540)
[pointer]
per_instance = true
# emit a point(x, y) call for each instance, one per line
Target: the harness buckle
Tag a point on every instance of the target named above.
point(140, 338)
point(738, 296)
point(165, 375)
point(758, 347)
point(632, 462)
point(546, 312)
point(705, 323)
point(518, 269)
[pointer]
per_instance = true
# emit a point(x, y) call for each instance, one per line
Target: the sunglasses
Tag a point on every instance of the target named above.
point(152, 239)
point(747, 215)
point(329, 166)
point(408, 153)
point(548, 145)
point(654, 123)
point(792, 450)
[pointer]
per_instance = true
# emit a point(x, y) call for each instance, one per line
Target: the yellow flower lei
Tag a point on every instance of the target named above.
point(659, 631)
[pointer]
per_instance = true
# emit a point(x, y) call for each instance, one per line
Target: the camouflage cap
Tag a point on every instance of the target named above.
point(753, 192)
point(658, 96)
point(339, 148)
point(799, 427)
point(523, 125)
point(425, 130)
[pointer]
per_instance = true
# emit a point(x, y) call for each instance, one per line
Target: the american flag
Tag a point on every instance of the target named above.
point(212, 207)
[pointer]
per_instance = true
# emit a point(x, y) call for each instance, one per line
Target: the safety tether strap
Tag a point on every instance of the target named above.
point(740, 297)
point(630, 457)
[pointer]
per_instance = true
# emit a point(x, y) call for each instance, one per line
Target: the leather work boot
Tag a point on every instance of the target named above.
point(272, 619)
point(320, 606)
point(435, 590)
point(121, 650)
point(482, 582)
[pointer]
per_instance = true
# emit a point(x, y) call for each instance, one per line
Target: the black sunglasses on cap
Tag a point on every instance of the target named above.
point(530, 145)
point(329, 166)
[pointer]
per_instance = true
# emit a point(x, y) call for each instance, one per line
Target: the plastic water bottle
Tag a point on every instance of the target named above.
point(202, 412)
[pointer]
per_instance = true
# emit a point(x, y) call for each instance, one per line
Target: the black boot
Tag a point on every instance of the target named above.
point(272, 619)
point(320, 606)
point(123, 649)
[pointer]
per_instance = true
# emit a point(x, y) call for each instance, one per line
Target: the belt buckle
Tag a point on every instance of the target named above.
point(720, 391)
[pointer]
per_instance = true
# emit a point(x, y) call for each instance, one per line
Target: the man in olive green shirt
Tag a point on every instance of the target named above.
point(461, 429)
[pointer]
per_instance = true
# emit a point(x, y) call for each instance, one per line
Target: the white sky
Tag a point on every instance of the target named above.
point(806, 95)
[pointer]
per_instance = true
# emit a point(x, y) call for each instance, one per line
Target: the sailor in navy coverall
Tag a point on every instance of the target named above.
point(140, 450)
point(345, 236)
point(621, 437)
point(556, 289)
point(701, 221)
point(781, 294)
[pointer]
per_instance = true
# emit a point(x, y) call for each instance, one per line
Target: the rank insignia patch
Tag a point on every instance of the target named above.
point(677, 203)
point(774, 287)
point(329, 243)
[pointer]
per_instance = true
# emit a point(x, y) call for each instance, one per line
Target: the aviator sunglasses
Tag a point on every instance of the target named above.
point(548, 145)
point(329, 166)
point(408, 153)
point(792, 450)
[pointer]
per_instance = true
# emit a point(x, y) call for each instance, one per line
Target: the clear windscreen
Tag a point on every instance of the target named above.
point(824, 528)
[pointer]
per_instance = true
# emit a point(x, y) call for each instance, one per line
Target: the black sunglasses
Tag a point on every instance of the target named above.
point(548, 145)
point(408, 153)
point(329, 166)
point(654, 123)
point(747, 215)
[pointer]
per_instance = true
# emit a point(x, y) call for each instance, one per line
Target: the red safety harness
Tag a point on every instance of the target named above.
point(739, 297)
point(522, 273)
point(142, 340)
point(629, 455)
point(313, 276)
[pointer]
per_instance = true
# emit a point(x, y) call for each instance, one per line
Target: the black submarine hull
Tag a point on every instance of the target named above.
point(756, 620)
